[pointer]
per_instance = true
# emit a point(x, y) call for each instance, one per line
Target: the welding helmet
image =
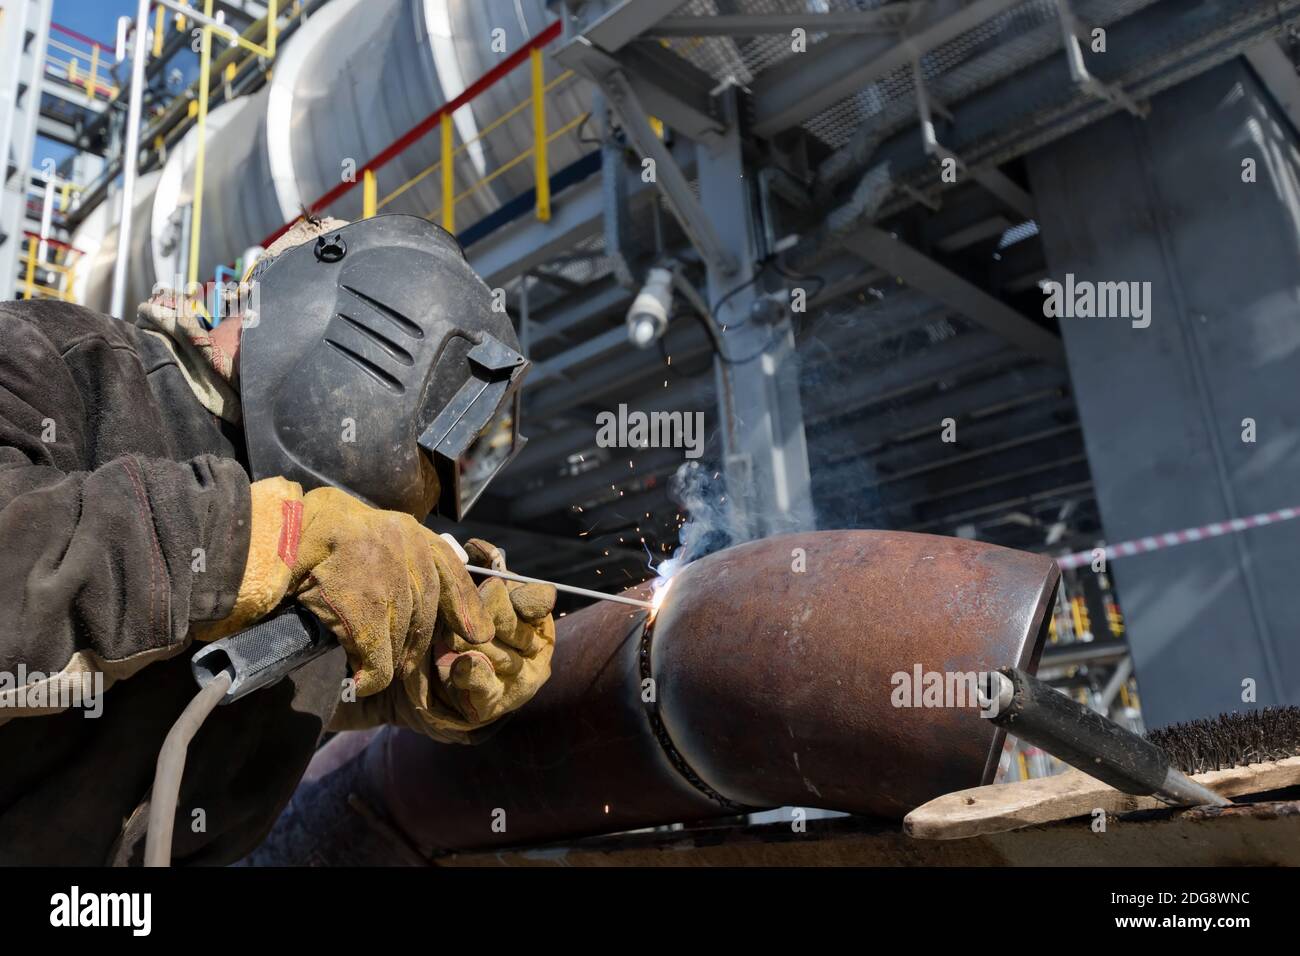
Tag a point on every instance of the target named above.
point(372, 360)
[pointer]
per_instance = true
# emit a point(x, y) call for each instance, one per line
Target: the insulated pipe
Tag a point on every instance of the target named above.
point(770, 678)
point(355, 77)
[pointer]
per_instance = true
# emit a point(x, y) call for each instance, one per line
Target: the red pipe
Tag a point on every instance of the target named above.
point(66, 31)
point(54, 242)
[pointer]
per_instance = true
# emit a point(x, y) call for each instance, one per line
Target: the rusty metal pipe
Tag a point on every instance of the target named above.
point(758, 685)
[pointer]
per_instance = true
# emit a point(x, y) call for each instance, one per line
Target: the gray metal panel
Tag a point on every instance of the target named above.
point(1162, 407)
point(21, 65)
point(918, 270)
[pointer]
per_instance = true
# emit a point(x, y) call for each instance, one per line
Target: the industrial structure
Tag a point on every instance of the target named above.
point(847, 217)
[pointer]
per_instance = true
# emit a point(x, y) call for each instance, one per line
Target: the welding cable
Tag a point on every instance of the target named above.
point(582, 138)
point(760, 267)
point(788, 273)
point(677, 371)
point(171, 765)
point(707, 316)
point(769, 262)
point(710, 320)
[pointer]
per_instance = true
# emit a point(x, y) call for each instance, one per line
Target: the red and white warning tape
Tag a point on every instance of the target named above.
point(1157, 542)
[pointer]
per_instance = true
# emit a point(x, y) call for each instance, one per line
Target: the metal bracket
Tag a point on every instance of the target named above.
point(619, 241)
point(991, 179)
point(676, 93)
point(668, 175)
point(1111, 93)
point(931, 203)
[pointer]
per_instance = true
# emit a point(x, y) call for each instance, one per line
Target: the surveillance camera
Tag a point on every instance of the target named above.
point(647, 319)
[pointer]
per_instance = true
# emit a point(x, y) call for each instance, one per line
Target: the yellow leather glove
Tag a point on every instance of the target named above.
point(379, 580)
point(460, 687)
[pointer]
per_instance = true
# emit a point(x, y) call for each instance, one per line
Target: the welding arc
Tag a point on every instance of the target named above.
point(598, 595)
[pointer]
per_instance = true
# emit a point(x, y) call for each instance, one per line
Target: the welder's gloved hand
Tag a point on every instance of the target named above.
point(461, 687)
point(379, 580)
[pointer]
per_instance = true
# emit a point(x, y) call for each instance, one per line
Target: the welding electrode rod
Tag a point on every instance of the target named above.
point(598, 595)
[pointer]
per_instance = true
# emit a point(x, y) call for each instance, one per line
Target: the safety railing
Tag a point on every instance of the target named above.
point(49, 268)
point(452, 148)
point(453, 189)
point(210, 27)
point(81, 61)
point(66, 194)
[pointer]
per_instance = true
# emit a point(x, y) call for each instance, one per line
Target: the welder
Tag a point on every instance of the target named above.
point(164, 483)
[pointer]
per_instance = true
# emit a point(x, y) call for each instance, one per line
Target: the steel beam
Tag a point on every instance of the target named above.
point(920, 271)
point(594, 348)
point(684, 341)
point(803, 86)
point(576, 215)
point(590, 303)
point(881, 20)
point(672, 89)
point(552, 449)
point(1278, 74)
point(1222, 344)
point(56, 130)
point(964, 399)
point(21, 72)
point(612, 24)
point(561, 493)
point(672, 182)
point(967, 355)
point(668, 176)
point(1049, 496)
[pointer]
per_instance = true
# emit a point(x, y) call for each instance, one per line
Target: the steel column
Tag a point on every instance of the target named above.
point(130, 158)
point(1164, 406)
point(21, 68)
point(766, 454)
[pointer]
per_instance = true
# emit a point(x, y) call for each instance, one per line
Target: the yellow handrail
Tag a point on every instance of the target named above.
point(369, 194)
point(52, 266)
point(30, 279)
point(482, 133)
point(448, 177)
point(541, 176)
point(205, 68)
point(509, 165)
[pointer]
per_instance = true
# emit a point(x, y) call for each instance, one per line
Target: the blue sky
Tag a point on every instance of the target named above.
point(95, 18)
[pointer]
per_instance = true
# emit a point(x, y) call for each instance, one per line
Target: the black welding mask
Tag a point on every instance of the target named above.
point(372, 359)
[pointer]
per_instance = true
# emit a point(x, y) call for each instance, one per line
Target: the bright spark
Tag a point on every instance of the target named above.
point(660, 592)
